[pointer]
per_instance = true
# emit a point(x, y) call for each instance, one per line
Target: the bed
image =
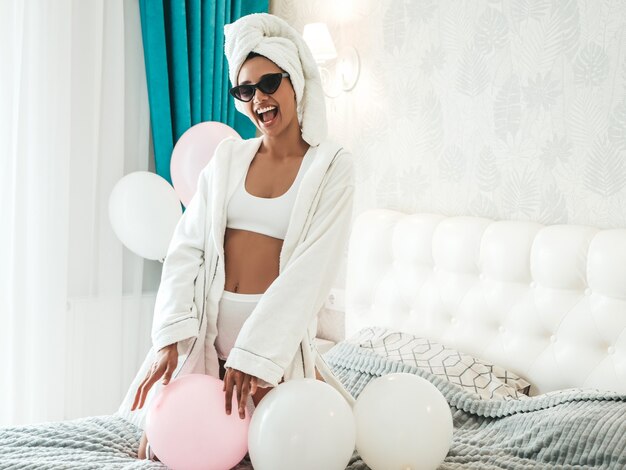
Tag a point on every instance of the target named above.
point(544, 304)
point(521, 326)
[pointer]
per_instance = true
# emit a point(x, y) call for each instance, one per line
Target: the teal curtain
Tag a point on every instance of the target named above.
point(186, 69)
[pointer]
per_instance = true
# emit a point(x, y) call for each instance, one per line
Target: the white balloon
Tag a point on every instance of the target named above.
point(302, 424)
point(403, 423)
point(144, 210)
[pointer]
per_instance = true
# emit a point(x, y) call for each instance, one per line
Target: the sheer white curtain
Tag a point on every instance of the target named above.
point(75, 305)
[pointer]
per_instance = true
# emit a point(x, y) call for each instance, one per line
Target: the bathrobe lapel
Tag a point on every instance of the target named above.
point(307, 192)
point(231, 169)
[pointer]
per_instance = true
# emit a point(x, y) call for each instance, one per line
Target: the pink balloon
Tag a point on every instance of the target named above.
point(188, 428)
point(191, 154)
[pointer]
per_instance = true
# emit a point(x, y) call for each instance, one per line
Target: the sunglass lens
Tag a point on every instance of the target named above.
point(244, 92)
point(270, 83)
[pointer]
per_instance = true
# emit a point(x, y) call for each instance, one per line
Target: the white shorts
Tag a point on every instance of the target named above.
point(234, 309)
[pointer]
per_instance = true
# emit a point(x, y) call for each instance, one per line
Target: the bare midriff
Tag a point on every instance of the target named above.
point(251, 261)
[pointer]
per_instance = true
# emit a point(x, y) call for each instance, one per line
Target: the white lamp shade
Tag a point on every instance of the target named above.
point(317, 37)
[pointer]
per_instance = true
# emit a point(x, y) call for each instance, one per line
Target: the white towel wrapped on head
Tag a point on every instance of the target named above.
point(274, 38)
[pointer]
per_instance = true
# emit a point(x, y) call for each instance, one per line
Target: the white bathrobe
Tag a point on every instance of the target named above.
point(276, 340)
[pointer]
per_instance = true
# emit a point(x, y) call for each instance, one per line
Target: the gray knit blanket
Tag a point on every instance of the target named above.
point(567, 429)
point(97, 442)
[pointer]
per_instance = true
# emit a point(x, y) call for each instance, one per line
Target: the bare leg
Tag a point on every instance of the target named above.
point(141, 453)
point(260, 393)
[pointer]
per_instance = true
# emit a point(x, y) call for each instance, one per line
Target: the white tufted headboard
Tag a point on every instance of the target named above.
point(546, 302)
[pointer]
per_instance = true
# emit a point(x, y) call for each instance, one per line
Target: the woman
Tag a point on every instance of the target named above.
point(260, 211)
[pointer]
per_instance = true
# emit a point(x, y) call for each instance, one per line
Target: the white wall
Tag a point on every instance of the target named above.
point(507, 109)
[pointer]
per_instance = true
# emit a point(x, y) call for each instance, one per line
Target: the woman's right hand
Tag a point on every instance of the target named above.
point(165, 363)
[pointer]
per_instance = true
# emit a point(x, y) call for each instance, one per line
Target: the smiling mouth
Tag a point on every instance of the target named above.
point(268, 115)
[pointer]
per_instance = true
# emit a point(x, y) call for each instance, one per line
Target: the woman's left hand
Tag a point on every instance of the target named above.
point(245, 383)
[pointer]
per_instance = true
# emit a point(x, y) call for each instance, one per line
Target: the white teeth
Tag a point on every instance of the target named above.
point(263, 110)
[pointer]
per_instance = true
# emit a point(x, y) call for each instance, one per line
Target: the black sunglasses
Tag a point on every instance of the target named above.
point(268, 84)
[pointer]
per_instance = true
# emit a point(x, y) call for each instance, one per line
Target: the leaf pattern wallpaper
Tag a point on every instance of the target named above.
point(508, 109)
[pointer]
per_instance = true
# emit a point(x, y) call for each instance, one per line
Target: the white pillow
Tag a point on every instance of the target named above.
point(488, 381)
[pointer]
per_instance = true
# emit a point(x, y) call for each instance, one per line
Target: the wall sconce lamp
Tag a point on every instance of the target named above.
point(339, 72)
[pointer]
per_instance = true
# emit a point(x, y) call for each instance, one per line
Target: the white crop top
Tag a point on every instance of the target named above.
point(266, 215)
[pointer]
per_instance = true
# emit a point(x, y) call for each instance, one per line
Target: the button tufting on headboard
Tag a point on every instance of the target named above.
point(547, 302)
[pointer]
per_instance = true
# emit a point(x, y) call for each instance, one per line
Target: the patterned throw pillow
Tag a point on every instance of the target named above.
point(486, 380)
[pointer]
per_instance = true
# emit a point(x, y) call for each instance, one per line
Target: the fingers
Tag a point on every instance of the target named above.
point(147, 384)
point(138, 393)
point(253, 385)
point(238, 384)
point(228, 388)
point(243, 396)
point(242, 382)
point(169, 370)
point(151, 381)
